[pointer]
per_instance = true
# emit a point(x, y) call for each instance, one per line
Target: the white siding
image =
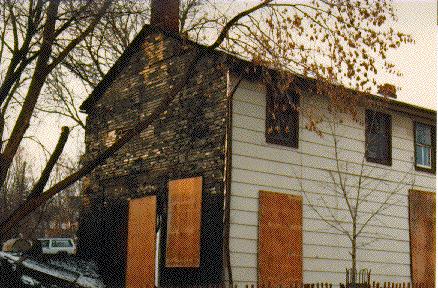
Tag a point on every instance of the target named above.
point(257, 165)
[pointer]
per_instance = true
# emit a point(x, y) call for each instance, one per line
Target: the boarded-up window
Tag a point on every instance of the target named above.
point(140, 265)
point(280, 260)
point(184, 223)
point(422, 236)
point(378, 137)
point(282, 124)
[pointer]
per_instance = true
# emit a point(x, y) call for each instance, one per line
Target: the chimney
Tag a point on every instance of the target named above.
point(165, 14)
point(387, 90)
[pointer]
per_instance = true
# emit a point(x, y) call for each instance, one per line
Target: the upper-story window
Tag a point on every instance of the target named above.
point(424, 147)
point(378, 137)
point(282, 124)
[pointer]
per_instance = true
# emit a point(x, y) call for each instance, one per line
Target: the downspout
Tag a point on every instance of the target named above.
point(228, 277)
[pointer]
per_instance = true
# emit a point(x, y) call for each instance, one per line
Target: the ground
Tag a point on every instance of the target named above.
point(47, 271)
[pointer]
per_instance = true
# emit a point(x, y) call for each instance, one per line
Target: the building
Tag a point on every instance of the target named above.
point(217, 187)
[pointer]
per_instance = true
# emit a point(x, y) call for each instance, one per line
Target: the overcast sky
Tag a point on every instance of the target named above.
point(418, 63)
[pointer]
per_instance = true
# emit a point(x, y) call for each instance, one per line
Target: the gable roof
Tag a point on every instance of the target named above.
point(118, 66)
point(249, 68)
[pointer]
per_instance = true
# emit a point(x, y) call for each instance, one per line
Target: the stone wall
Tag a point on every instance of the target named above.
point(187, 141)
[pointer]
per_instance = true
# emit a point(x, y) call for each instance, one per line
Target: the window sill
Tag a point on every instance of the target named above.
point(281, 142)
point(424, 169)
point(379, 161)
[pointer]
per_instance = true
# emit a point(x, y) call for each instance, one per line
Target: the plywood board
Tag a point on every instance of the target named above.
point(422, 235)
point(280, 247)
point(184, 223)
point(140, 265)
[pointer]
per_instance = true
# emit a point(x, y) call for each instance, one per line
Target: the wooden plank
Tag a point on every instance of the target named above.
point(280, 250)
point(312, 176)
point(422, 235)
point(184, 223)
point(260, 166)
point(140, 266)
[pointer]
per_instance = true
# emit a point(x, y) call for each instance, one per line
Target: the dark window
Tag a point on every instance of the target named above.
point(378, 137)
point(282, 123)
point(61, 243)
point(45, 243)
point(424, 147)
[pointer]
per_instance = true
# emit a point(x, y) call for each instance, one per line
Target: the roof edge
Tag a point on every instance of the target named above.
point(251, 71)
point(118, 66)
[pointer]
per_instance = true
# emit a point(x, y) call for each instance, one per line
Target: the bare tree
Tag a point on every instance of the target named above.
point(52, 30)
point(61, 213)
point(93, 57)
point(38, 45)
point(357, 183)
point(15, 191)
point(19, 185)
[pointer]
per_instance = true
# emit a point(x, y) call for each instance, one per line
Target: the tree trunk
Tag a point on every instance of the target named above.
point(33, 203)
point(36, 84)
point(353, 256)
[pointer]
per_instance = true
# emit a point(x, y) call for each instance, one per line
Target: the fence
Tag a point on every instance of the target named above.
point(12, 268)
point(392, 285)
point(341, 285)
point(292, 285)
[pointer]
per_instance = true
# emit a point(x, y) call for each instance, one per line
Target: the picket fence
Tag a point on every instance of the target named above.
point(374, 284)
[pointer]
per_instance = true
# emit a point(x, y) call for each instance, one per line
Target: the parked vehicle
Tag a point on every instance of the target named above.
point(58, 246)
point(16, 245)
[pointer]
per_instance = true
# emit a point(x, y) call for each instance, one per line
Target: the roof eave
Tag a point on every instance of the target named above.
point(251, 71)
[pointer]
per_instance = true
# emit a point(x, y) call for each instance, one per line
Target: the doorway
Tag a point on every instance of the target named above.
point(141, 243)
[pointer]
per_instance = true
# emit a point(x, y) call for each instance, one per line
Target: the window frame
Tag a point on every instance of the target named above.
point(277, 140)
point(57, 243)
point(432, 169)
point(388, 130)
point(45, 243)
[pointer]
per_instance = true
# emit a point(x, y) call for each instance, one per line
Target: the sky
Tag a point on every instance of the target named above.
point(418, 62)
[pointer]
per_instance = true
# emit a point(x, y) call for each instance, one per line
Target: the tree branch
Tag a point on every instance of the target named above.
point(39, 186)
point(2, 127)
point(36, 84)
point(19, 55)
point(234, 20)
point(81, 37)
point(33, 203)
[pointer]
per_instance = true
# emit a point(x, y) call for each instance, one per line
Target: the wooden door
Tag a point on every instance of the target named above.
point(140, 264)
point(280, 239)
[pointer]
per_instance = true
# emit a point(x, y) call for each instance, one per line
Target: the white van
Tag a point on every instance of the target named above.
point(58, 246)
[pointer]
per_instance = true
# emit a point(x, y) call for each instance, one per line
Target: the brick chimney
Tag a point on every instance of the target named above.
point(165, 14)
point(387, 90)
